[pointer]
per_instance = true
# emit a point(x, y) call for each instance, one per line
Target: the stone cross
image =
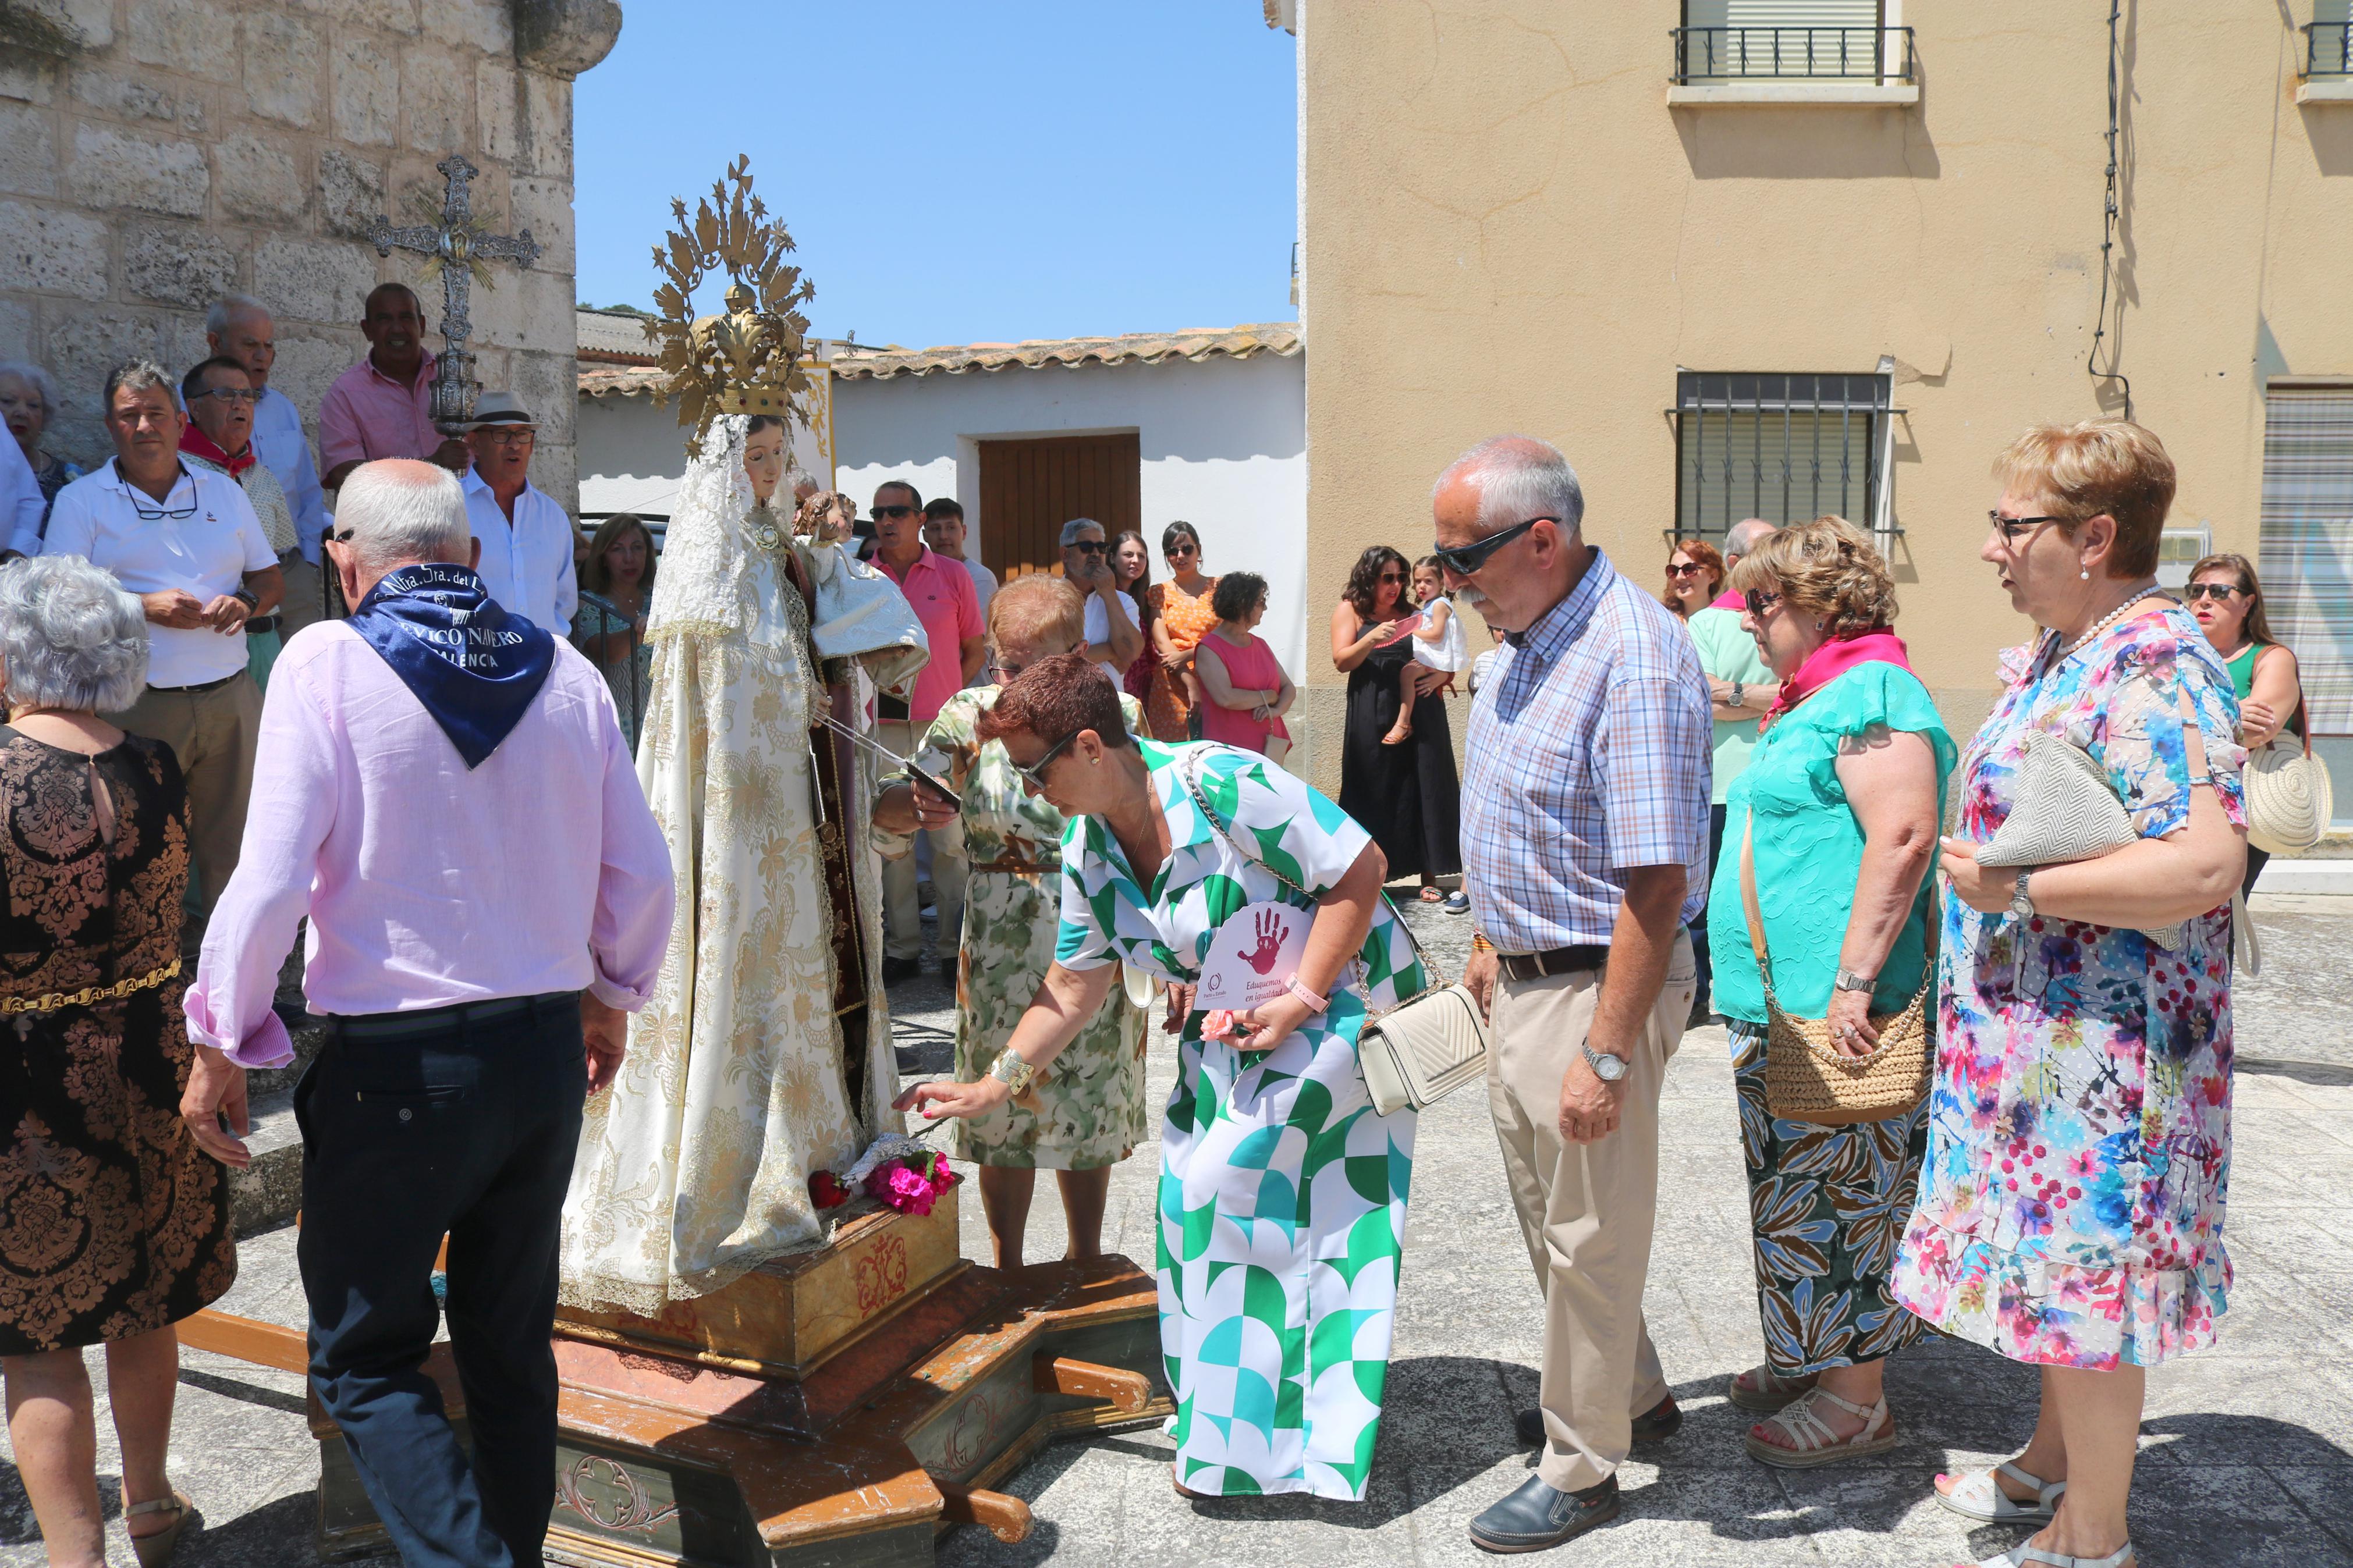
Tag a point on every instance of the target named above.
point(458, 247)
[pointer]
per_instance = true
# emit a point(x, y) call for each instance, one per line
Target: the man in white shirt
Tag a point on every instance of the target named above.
point(186, 539)
point(943, 531)
point(238, 327)
point(1113, 639)
point(526, 538)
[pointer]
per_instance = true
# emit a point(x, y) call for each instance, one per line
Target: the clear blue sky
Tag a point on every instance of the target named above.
point(961, 172)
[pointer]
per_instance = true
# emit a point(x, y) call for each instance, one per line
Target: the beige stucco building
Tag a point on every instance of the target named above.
point(157, 153)
point(1515, 217)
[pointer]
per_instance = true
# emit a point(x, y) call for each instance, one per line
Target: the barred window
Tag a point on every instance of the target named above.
point(2306, 558)
point(1780, 446)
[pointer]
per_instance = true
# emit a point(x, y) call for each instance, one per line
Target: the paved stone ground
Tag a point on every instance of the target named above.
point(2247, 1450)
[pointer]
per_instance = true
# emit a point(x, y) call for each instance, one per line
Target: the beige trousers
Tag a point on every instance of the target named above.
point(212, 733)
point(1586, 1210)
point(902, 905)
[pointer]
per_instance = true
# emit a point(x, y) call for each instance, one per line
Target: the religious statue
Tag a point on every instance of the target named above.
point(764, 1056)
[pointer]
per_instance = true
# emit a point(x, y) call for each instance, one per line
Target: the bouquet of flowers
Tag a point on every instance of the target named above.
point(904, 1174)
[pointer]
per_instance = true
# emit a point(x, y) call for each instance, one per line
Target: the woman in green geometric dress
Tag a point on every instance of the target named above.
point(1092, 1112)
point(1282, 1194)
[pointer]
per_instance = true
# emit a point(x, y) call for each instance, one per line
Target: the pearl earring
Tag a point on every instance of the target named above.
point(2087, 577)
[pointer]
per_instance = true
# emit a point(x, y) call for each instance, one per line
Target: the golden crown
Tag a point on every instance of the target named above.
point(750, 358)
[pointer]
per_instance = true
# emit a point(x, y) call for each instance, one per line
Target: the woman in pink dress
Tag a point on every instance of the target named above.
point(1245, 689)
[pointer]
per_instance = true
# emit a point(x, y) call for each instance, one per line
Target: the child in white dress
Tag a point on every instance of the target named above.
point(1437, 645)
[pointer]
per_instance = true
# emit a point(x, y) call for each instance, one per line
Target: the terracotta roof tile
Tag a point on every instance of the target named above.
point(1194, 343)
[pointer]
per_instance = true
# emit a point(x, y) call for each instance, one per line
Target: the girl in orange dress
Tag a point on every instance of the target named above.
point(1181, 616)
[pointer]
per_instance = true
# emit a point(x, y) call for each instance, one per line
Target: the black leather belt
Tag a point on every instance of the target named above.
point(386, 1027)
point(1584, 957)
point(200, 686)
point(257, 625)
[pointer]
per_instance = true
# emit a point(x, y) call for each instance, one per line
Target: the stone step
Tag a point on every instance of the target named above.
point(2307, 875)
point(265, 1194)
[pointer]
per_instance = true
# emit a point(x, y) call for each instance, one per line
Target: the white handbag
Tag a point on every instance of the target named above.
point(1416, 1053)
point(2289, 797)
point(2064, 809)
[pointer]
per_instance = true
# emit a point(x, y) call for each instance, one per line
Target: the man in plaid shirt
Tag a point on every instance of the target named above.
point(1585, 850)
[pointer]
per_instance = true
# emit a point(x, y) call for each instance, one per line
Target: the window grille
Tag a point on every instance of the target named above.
point(1783, 446)
point(2328, 47)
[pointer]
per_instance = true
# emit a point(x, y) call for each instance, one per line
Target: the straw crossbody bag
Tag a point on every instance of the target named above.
point(1808, 1079)
point(1416, 1053)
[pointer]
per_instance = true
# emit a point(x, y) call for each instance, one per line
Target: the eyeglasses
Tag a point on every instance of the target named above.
point(892, 511)
point(1087, 546)
point(147, 513)
point(1391, 577)
point(230, 394)
point(1463, 560)
point(2013, 529)
point(1034, 775)
point(1176, 550)
point(509, 438)
point(1688, 569)
point(1759, 601)
point(2215, 589)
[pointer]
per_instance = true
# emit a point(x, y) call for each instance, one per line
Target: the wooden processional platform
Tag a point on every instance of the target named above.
point(836, 1409)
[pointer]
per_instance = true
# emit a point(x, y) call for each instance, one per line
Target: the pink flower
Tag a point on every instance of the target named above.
point(827, 1191)
point(1220, 1024)
point(912, 1186)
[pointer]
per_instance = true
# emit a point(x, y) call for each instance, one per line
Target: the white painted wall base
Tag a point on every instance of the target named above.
point(2332, 876)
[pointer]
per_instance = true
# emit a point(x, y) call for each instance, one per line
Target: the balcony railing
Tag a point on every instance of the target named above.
point(1792, 54)
point(2329, 51)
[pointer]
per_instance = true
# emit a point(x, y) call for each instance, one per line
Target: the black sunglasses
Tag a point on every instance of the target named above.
point(1463, 559)
point(1034, 774)
point(1758, 602)
point(2217, 590)
point(892, 511)
point(1087, 546)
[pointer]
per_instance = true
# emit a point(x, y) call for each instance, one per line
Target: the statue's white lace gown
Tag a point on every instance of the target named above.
point(694, 1166)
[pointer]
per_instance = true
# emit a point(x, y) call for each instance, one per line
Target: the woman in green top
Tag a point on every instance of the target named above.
point(2228, 600)
point(1842, 798)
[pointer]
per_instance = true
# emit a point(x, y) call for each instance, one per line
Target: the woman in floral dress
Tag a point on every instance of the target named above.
point(2071, 1203)
point(1091, 1113)
point(1281, 1192)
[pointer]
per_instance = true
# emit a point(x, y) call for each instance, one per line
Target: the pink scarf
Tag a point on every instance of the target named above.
point(1728, 600)
point(1834, 658)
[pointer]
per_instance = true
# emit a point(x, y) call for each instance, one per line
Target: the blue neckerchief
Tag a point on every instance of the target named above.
point(475, 665)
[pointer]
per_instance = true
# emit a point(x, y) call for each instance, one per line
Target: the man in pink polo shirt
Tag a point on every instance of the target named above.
point(381, 406)
point(942, 593)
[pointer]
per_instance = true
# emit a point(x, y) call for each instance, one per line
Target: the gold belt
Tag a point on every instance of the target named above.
point(89, 993)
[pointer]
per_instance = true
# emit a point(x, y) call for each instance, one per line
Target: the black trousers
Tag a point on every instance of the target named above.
point(1699, 923)
point(467, 1131)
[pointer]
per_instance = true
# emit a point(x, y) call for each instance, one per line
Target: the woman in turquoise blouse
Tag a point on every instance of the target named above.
point(1842, 801)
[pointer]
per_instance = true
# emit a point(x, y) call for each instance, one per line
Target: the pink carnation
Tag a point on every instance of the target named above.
point(912, 1187)
point(1220, 1024)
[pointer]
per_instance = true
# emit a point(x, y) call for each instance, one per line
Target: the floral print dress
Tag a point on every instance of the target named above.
point(1281, 1192)
point(2071, 1205)
point(1090, 1109)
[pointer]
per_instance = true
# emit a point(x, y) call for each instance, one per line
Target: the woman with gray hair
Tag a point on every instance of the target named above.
point(113, 1224)
point(28, 401)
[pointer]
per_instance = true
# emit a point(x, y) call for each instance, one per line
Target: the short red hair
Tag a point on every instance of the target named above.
point(1056, 698)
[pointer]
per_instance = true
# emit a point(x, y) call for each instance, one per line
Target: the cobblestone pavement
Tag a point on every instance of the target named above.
point(2247, 1450)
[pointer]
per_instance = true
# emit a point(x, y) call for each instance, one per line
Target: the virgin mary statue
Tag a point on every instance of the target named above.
point(764, 1054)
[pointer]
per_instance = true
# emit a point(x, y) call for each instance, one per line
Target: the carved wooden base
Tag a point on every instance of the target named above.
point(667, 1459)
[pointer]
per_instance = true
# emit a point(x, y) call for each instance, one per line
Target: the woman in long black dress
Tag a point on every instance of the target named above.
point(1407, 795)
point(113, 1224)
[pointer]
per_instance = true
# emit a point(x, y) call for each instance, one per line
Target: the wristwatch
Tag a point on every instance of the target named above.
point(1735, 701)
point(252, 600)
point(1013, 1072)
point(1605, 1068)
point(1848, 980)
point(2022, 902)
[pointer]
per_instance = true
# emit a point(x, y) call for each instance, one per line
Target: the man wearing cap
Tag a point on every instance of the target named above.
point(527, 563)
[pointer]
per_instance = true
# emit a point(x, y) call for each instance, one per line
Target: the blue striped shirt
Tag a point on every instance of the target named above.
point(1589, 757)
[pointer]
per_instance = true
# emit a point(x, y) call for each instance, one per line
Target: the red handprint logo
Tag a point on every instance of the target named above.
point(1269, 926)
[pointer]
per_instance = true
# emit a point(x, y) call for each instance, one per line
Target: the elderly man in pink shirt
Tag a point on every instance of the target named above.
point(381, 406)
point(948, 605)
point(445, 792)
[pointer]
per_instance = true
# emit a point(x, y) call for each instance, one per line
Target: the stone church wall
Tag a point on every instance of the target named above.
point(155, 153)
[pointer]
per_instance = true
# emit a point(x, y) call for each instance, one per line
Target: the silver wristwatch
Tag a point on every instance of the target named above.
point(1605, 1068)
point(1738, 700)
point(1848, 980)
point(2022, 902)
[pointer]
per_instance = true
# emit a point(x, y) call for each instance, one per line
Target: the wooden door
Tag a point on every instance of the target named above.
point(1029, 488)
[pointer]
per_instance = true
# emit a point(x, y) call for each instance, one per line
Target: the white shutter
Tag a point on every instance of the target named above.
point(2306, 554)
point(1794, 38)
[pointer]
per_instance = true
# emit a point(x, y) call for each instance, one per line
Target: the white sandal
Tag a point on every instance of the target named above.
point(1814, 1442)
point(1980, 1497)
point(2019, 1556)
